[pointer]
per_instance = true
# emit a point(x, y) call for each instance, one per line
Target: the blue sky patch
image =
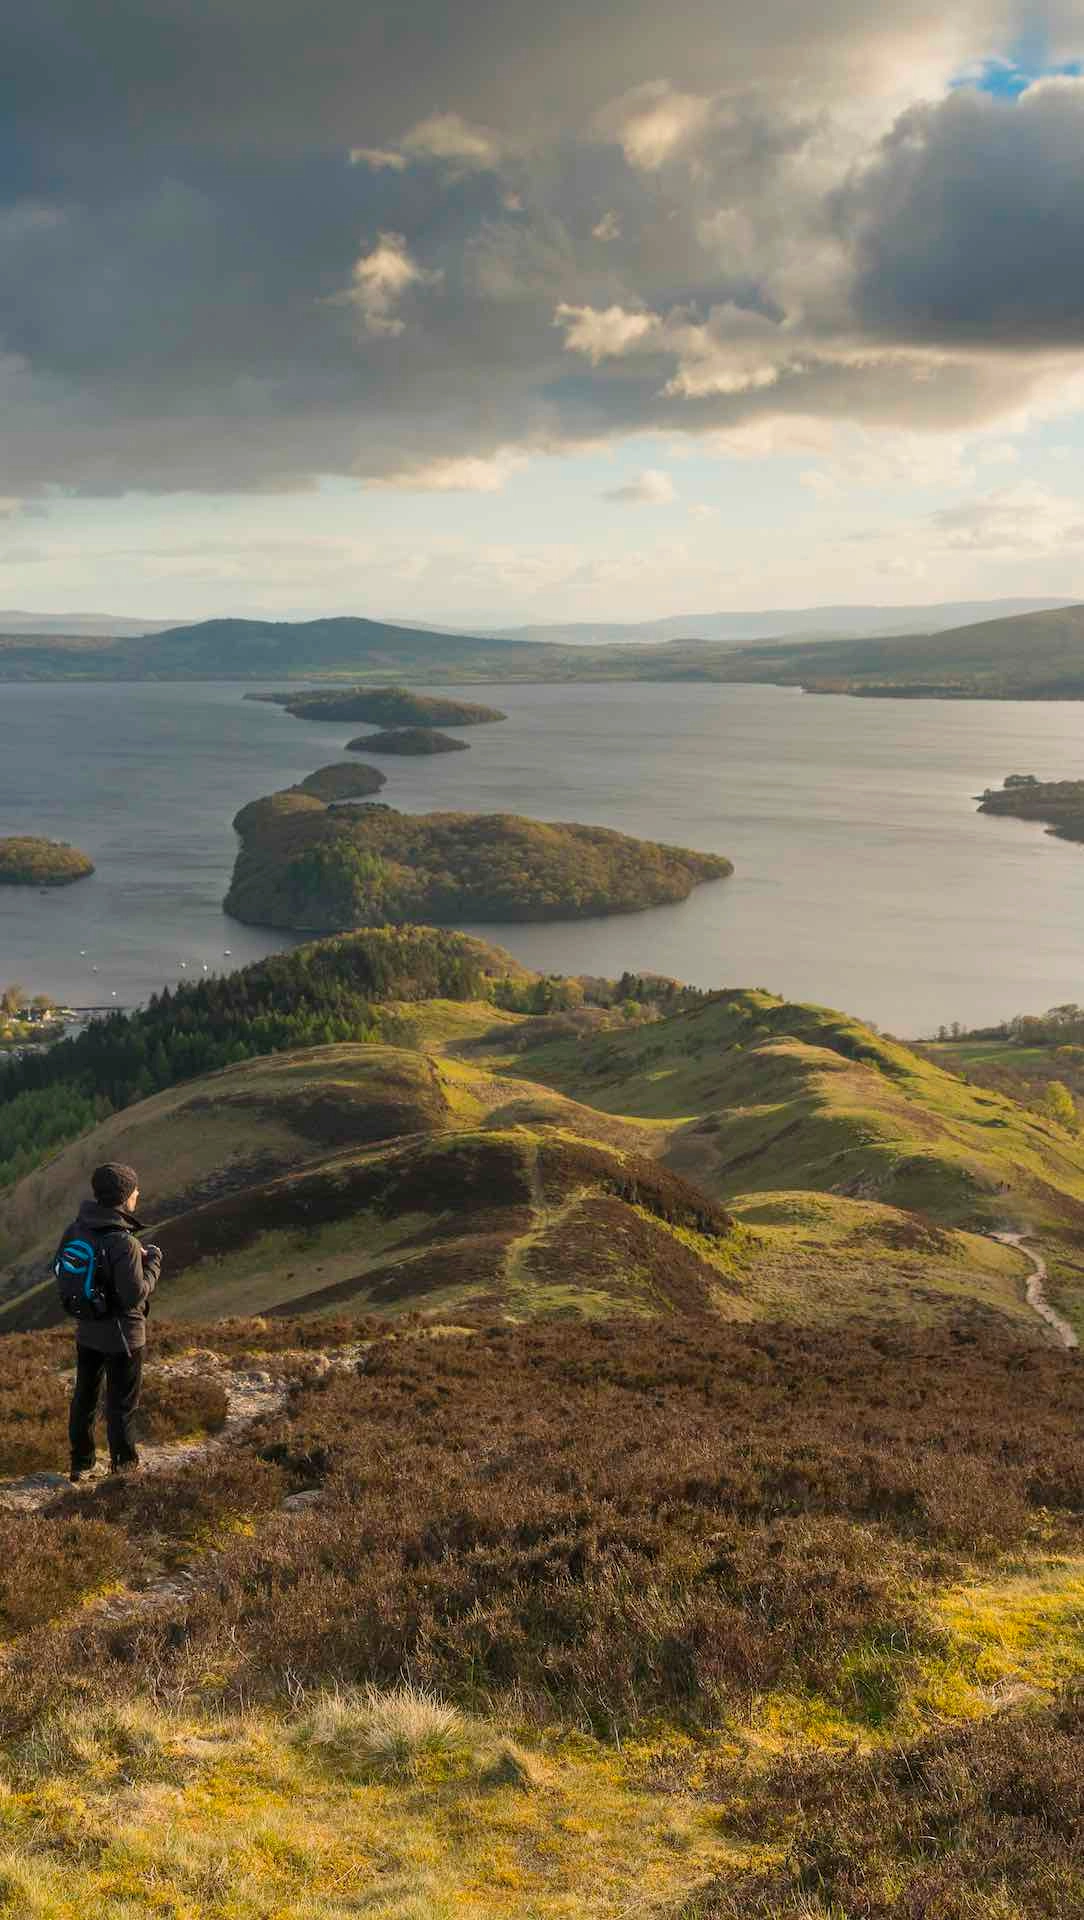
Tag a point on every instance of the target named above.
point(1006, 76)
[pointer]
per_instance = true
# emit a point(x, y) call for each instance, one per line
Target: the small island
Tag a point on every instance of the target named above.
point(345, 780)
point(311, 868)
point(384, 707)
point(1057, 804)
point(420, 740)
point(26, 861)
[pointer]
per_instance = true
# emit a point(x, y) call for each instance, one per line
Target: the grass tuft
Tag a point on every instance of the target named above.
point(392, 1737)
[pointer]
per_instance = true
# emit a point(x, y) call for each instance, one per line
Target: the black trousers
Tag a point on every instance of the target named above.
point(123, 1374)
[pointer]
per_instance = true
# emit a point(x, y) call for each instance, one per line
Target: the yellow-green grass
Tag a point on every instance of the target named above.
point(761, 1094)
point(195, 1816)
point(281, 1267)
point(809, 1150)
point(821, 1258)
point(1000, 1642)
point(425, 1024)
point(227, 1131)
point(508, 1098)
point(484, 1220)
point(402, 1809)
point(517, 1219)
point(1010, 1637)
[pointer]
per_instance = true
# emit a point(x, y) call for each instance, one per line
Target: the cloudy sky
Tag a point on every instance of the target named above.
point(514, 312)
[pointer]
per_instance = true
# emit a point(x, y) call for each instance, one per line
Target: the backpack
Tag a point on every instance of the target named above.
point(82, 1276)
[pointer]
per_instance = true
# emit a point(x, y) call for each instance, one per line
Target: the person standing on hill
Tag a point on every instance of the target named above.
point(106, 1277)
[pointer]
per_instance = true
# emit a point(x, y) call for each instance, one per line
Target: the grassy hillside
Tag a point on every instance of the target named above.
point(757, 1091)
point(319, 994)
point(228, 1132)
point(1031, 656)
point(864, 1180)
point(421, 1175)
point(318, 870)
point(756, 1096)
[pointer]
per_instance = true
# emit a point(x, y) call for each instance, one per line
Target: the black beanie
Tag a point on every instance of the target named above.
point(114, 1184)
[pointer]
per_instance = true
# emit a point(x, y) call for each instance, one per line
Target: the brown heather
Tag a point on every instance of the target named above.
point(967, 1825)
point(603, 1522)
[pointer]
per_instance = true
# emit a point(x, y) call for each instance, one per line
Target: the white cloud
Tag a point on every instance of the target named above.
point(380, 279)
point(1024, 519)
point(652, 488)
point(447, 136)
point(442, 136)
point(467, 474)
point(603, 333)
point(653, 123)
point(378, 159)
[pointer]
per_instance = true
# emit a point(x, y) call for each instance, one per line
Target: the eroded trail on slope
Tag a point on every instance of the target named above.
point(1036, 1289)
point(250, 1394)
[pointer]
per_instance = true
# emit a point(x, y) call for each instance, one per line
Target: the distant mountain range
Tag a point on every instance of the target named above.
point(780, 623)
point(810, 623)
point(1034, 655)
point(89, 626)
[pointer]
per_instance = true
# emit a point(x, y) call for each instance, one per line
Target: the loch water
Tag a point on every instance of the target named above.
point(865, 878)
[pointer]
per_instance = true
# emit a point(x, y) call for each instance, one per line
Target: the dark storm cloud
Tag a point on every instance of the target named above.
point(365, 70)
point(969, 225)
point(559, 225)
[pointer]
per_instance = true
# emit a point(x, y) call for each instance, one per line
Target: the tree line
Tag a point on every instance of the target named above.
point(318, 995)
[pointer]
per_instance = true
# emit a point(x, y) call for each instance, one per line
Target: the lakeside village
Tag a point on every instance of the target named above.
point(33, 1020)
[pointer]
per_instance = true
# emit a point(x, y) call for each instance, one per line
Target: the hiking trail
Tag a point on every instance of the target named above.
point(1035, 1291)
point(251, 1393)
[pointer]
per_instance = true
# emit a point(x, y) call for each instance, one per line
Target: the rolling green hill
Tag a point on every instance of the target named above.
point(753, 1097)
point(863, 1181)
point(1030, 656)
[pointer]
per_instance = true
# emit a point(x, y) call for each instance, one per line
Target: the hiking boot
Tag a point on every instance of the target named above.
point(82, 1474)
point(124, 1466)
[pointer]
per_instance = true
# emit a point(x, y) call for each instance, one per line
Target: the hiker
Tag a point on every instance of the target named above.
point(106, 1277)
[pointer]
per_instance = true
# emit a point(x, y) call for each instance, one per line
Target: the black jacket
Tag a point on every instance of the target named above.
point(133, 1271)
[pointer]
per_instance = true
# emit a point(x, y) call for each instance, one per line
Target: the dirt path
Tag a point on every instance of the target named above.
point(250, 1393)
point(1036, 1289)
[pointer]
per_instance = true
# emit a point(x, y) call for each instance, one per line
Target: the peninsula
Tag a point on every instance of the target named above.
point(383, 707)
point(306, 866)
point(1057, 804)
point(420, 740)
point(26, 861)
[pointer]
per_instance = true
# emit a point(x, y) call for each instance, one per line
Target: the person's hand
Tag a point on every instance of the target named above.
point(151, 1251)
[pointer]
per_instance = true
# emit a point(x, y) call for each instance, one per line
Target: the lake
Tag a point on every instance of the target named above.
point(865, 877)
